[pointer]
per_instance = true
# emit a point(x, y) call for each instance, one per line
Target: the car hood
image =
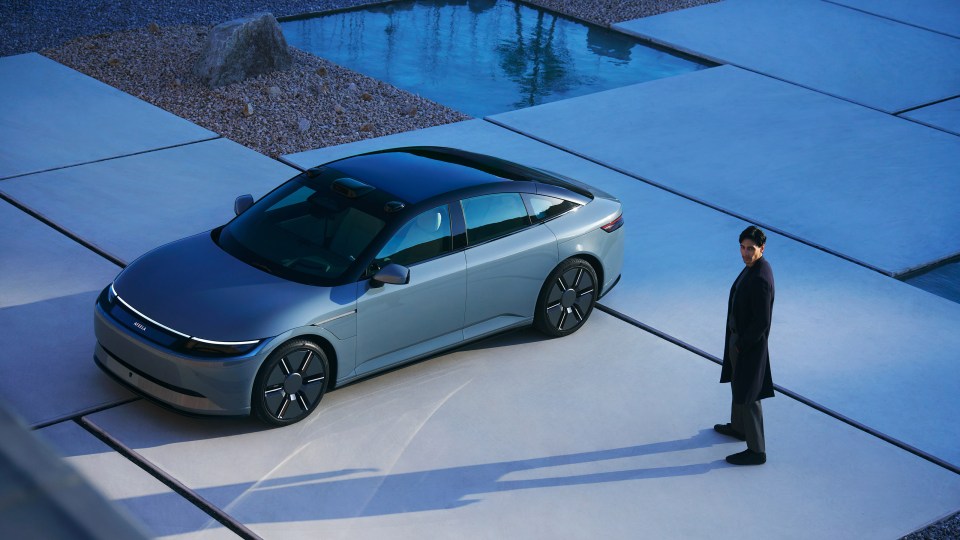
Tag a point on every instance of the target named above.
point(194, 287)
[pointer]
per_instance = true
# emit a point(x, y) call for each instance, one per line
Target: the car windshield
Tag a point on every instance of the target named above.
point(310, 230)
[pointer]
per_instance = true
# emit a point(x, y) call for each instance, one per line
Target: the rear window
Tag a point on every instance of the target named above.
point(544, 207)
point(492, 216)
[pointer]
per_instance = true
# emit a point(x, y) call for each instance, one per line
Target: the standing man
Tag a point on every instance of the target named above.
point(746, 362)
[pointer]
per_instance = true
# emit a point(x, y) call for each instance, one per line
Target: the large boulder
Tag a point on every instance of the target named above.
point(242, 48)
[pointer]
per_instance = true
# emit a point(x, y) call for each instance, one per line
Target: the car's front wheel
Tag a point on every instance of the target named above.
point(566, 298)
point(291, 383)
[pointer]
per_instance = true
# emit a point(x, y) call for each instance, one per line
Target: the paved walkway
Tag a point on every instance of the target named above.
point(613, 422)
point(825, 46)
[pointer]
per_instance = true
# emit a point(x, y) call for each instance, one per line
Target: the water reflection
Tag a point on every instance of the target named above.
point(481, 56)
point(537, 64)
point(610, 44)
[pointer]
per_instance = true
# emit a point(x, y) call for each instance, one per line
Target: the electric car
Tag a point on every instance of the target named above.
point(351, 268)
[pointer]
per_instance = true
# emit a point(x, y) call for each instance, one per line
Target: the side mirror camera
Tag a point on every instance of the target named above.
point(393, 274)
point(242, 204)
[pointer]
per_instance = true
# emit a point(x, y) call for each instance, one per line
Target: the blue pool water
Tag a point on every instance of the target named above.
point(482, 57)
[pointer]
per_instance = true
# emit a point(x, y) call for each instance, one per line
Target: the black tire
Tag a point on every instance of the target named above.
point(566, 298)
point(290, 383)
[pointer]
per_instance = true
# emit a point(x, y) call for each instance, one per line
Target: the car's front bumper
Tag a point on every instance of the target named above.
point(220, 386)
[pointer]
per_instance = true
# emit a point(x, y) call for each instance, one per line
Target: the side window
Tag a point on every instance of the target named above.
point(490, 216)
point(545, 208)
point(423, 237)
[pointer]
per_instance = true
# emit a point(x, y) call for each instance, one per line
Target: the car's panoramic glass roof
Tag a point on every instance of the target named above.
point(417, 174)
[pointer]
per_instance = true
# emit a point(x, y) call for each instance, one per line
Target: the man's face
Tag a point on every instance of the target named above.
point(750, 251)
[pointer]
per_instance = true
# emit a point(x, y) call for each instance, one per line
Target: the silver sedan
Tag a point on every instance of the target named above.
point(351, 268)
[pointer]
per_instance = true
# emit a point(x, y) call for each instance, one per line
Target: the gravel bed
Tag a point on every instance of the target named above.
point(607, 12)
point(945, 529)
point(148, 52)
point(314, 104)
point(32, 25)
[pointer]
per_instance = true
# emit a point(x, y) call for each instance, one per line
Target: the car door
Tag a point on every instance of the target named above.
point(507, 262)
point(398, 322)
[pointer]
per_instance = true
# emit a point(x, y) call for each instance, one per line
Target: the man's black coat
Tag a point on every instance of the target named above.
point(751, 312)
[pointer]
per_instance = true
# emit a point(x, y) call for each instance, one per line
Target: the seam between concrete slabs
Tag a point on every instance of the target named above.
point(206, 506)
point(789, 393)
point(77, 415)
point(62, 230)
point(865, 12)
point(111, 158)
point(696, 200)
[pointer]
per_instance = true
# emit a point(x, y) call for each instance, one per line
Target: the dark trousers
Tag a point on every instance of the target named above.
point(747, 418)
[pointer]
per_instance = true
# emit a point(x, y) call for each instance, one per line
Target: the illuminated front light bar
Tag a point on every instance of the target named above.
point(148, 319)
point(226, 343)
point(209, 346)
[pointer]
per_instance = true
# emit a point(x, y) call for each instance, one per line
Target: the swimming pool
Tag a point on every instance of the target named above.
point(482, 57)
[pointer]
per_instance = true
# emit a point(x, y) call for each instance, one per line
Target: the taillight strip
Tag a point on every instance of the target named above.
point(614, 225)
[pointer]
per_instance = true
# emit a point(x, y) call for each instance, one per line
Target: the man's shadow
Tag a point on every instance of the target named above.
point(349, 494)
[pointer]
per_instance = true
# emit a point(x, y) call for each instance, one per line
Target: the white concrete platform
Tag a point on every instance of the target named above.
point(162, 512)
point(868, 346)
point(944, 115)
point(48, 284)
point(820, 45)
point(605, 433)
point(858, 182)
point(493, 441)
point(53, 116)
point(44, 497)
point(938, 15)
point(129, 205)
point(865, 345)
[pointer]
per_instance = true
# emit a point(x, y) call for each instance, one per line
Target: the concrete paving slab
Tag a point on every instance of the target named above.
point(161, 511)
point(53, 116)
point(944, 115)
point(865, 345)
point(819, 45)
point(47, 290)
point(938, 15)
point(43, 497)
point(858, 182)
point(870, 347)
point(489, 441)
point(127, 206)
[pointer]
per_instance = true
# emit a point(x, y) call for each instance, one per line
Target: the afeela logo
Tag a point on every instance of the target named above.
point(140, 325)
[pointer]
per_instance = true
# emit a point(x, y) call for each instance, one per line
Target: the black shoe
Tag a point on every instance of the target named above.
point(727, 429)
point(747, 457)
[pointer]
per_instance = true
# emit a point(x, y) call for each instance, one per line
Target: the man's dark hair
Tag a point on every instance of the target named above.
point(755, 234)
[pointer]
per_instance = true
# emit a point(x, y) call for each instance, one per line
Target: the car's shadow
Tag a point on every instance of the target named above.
point(169, 425)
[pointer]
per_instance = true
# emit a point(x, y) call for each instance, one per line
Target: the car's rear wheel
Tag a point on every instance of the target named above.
point(290, 383)
point(566, 298)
